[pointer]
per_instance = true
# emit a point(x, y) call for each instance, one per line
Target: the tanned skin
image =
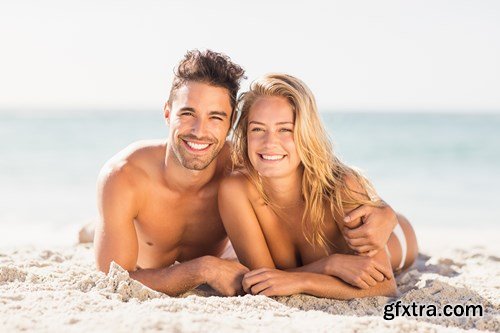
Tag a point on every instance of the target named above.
point(271, 242)
point(158, 200)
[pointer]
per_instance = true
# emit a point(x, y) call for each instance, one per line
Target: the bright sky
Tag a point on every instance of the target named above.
point(360, 55)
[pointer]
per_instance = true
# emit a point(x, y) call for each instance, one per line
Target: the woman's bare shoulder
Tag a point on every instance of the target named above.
point(237, 180)
point(355, 186)
point(238, 183)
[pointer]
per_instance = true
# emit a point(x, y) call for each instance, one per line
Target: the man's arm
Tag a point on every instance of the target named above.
point(116, 239)
point(372, 235)
point(366, 228)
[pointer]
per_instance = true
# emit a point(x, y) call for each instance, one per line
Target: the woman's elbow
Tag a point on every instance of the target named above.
point(387, 288)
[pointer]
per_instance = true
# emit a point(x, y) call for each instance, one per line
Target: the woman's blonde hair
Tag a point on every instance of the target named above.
point(324, 176)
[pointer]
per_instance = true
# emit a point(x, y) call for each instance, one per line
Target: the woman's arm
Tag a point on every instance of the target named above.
point(241, 223)
point(273, 282)
point(359, 271)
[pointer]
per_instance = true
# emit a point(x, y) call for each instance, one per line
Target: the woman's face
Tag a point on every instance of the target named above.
point(271, 148)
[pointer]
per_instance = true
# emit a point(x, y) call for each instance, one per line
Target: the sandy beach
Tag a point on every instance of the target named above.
point(58, 289)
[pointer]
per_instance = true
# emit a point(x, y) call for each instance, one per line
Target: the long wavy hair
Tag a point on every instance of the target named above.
point(324, 184)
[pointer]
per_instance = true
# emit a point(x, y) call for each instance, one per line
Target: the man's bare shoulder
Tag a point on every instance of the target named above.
point(133, 163)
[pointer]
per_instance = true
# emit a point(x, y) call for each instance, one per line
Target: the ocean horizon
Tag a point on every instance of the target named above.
point(438, 169)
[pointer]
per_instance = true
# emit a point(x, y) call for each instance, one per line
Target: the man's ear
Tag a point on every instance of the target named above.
point(166, 112)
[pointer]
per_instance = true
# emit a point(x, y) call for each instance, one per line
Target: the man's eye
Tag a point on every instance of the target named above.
point(186, 114)
point(217, 118)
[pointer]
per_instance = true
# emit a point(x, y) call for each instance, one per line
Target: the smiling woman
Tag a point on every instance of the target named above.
point(285, 204)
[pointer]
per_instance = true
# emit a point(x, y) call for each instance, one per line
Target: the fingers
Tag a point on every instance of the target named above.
point(357, 241)
point(363, 248)
point(257, 271)
point(357, 213)
point(270, 291)
point(378, 276)
point(371, 253)
point(247, 284)
point(369, 280)
point(253, 277)
point(259, 287)
point(359, 232)
point(360, 283)
point(384, 269)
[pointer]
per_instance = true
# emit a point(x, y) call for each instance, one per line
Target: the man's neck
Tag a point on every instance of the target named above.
point(180, 179)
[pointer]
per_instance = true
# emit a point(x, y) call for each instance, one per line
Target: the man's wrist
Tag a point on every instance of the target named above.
point(204, 271)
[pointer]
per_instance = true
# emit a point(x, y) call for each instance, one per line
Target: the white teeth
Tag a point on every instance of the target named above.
point(272, 157)
point(197, 146)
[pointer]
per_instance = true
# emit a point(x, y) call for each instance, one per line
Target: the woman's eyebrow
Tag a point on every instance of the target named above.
point(278, 123)
point(255, 122)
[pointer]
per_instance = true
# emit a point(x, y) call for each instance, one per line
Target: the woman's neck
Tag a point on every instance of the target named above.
point(285, 191)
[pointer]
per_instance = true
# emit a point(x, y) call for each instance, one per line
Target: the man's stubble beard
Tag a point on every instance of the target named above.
point(196, 163)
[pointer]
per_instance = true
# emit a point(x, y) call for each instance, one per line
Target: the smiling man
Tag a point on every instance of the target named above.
point(158, 200)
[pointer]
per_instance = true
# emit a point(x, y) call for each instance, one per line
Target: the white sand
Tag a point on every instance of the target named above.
point(59, 290)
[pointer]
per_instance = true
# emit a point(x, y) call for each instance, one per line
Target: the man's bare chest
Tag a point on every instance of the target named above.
point(178, 228)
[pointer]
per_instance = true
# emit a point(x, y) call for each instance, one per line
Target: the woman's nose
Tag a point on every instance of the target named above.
point(270, 139)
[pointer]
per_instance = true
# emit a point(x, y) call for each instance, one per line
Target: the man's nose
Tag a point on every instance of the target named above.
point(199, 127)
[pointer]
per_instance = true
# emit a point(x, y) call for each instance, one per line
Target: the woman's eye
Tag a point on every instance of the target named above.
point(256, 129)
point(286, 130)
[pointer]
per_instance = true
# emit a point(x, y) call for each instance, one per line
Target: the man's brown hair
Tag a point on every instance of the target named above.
point(209, 67)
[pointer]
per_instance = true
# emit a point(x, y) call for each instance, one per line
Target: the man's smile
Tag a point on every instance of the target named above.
point(196, 146)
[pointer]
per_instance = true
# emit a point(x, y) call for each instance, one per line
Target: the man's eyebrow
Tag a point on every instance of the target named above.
point(187, 108)
point(218, 113)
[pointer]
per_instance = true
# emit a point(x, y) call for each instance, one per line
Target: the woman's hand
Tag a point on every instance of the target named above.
point(272, 282)
point(359, 271)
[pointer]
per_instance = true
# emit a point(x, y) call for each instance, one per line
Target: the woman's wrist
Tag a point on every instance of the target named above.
point(330, 264)
point(304, 282)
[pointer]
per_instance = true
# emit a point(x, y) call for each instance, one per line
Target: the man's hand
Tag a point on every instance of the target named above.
point(272, 282)
point(374, 232)
point(225, 276)
point(358, 271)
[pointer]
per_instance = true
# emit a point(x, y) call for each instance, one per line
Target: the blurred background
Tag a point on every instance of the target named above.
point(409, 92)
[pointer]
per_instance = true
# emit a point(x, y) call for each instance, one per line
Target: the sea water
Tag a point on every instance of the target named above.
point(440, 170)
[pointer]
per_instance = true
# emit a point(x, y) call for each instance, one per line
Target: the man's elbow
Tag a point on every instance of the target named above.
point(103, 266)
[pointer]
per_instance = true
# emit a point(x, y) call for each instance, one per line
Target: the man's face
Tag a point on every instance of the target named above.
point(199, 123)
